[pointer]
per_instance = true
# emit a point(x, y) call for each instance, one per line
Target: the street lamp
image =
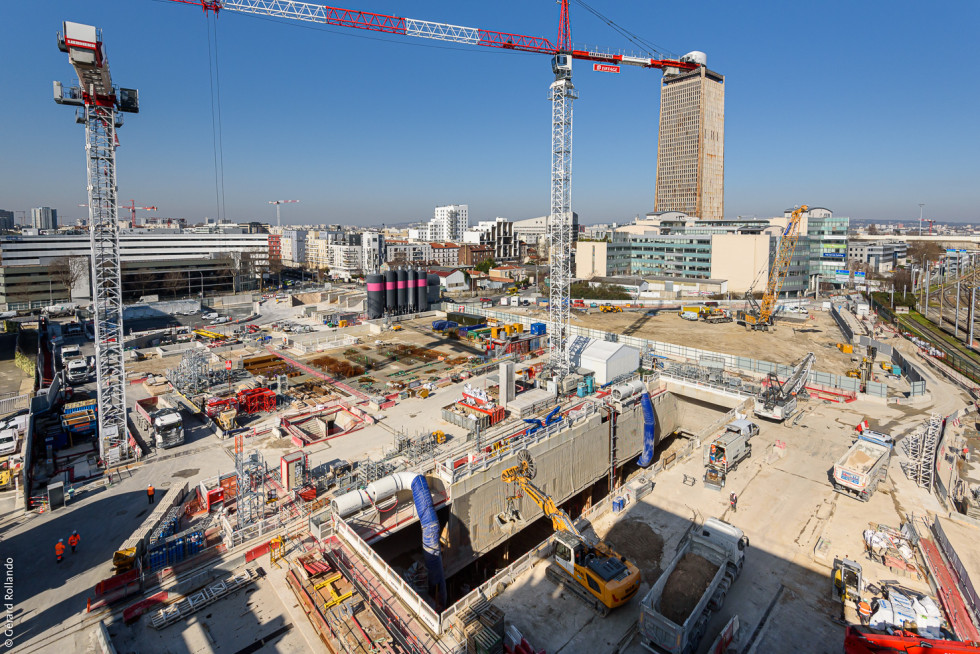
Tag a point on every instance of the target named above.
point(920, 217)
point(189, 281)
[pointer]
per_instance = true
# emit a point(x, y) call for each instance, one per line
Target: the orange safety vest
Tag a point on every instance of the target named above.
point(73, 540)
point(149, 491)
point(59, 548)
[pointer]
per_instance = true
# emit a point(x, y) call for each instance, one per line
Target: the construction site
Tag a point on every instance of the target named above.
point(373, 469)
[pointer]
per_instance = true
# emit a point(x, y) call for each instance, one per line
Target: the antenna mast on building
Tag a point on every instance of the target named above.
point(99, 105)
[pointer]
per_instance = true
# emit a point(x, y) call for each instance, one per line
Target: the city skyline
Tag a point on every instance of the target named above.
point(359, 152)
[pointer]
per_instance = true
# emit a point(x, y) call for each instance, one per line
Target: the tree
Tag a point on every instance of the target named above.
point(174, 280)
point(930, 250)
point(67, 271)
point(485, 265)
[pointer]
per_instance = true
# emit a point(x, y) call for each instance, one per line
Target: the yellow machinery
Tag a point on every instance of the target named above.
point(847, 582)
point(214, 336)
point(608, 308)
point(397, 328)
point(593, 571)
point(335, 597)
point(846, 348)
point(439, 437)
point(226, 419)
point(761, 316)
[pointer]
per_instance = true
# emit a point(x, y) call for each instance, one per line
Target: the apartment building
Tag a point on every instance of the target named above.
point(445, 254)
point(532, 230)
point(497, 234)
point(447, 224)
point(877, 256)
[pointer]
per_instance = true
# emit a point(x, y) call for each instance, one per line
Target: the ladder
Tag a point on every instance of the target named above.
point(193, 603)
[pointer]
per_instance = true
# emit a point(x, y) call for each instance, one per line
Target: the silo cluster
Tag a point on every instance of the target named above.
point(401, 291)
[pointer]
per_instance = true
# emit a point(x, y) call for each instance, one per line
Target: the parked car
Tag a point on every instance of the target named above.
point(210, 315)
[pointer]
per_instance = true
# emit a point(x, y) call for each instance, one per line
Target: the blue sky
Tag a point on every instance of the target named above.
point(867, 108)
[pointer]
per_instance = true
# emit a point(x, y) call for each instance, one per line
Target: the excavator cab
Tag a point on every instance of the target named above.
point(569, 550)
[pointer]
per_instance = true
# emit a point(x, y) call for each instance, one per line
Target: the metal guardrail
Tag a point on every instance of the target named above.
point(425, 613)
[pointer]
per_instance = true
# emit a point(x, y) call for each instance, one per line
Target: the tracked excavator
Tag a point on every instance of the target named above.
point(591, 570)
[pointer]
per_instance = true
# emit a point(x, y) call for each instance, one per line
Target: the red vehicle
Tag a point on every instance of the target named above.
point(861, 640)
point(578, 304)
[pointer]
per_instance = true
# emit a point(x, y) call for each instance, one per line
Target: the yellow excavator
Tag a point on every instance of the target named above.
point(758, 317)
point(591, 570)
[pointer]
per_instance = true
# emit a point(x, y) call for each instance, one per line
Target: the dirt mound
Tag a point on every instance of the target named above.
point(685, 586)
point(639, 543)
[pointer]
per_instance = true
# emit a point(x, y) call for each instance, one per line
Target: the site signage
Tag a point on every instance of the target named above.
point(842, 276)
point(605, 68)
point(227, 365)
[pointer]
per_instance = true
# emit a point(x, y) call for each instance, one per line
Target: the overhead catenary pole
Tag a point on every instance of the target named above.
point(956, 329)
point(973, 304)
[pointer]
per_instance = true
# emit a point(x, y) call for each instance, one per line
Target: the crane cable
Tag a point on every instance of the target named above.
point(216, 139)
point(650, 47)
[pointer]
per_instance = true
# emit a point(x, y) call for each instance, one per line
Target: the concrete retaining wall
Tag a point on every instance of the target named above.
point(566, 464)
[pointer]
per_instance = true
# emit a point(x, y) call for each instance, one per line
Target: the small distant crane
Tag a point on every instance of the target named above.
point(132, 211)
point(277, 203)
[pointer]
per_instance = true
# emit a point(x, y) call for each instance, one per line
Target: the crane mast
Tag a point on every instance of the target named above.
point(99, 101)
point(561, 93)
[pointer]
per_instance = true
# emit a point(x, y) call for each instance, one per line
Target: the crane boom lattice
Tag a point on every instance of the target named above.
point(560, 224)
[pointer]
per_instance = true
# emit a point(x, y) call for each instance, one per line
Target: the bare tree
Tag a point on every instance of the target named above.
point(67, 271)
point(174, 280)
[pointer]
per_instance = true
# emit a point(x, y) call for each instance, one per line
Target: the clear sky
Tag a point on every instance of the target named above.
point(866, 107)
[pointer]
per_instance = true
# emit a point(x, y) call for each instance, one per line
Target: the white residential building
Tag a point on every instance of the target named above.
point(448, 224)
point(294, 247)
point(405, 252)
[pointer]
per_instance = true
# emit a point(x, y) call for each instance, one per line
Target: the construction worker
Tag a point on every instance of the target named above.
point(149, 494)
point(59, 549)
point(73, 540)
point(733, 500)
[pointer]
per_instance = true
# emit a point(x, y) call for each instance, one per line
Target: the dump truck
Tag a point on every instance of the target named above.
point(676, 610)
point(162, 421)
point(723, 454)
point(863, 466)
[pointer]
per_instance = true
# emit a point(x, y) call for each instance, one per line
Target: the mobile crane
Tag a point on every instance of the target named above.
point(592, 570)
point(761, 317)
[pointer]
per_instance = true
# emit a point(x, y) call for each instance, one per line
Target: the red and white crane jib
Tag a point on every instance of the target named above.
point(423, 29)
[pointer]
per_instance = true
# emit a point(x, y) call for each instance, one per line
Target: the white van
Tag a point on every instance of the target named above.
point(210, 315)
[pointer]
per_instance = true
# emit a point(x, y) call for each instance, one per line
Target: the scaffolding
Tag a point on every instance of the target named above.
point(921, 449)
point(250, 495)
point(192, 375)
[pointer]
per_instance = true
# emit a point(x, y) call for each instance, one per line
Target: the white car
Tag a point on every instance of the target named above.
point(210, 316)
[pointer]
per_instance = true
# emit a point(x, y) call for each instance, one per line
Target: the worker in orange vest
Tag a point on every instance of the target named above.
point(73, 540)
point(59, 549)
point(149, 493)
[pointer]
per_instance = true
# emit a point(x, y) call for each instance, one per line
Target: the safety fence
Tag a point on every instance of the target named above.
point(14, 403)
point(842, 323)
point(962, 576)
point(689, 354)
point(934, 336)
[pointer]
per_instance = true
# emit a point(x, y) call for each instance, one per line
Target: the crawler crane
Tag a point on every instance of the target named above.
point(592, 570)
point(761, 317)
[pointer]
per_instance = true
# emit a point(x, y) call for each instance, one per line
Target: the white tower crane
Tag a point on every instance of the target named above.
point(100, 103)
point(561, 93)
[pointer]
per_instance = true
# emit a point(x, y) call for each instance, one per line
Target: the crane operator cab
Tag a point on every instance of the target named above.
point(607, 577)
point(561, 66)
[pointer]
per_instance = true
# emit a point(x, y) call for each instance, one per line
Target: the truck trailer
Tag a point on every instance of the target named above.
point(863, 466)
point(723, 454)
point(676, 610)
point(162, 421)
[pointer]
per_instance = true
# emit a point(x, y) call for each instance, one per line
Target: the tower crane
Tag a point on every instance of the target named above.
point(761, 316)
point(277, 203)
point(561, 92)
point(592, 570)
point(132, 211)
point(100, 103)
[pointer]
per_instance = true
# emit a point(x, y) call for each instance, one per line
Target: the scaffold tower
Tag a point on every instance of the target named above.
point(99, 103)
point(250, 474)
